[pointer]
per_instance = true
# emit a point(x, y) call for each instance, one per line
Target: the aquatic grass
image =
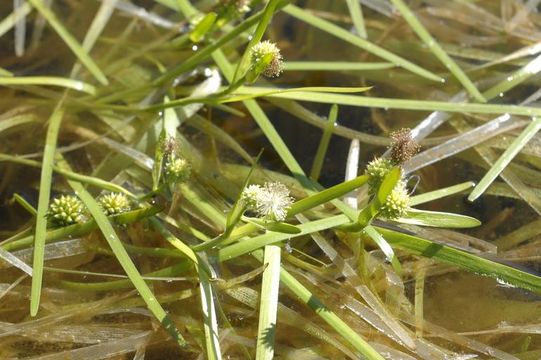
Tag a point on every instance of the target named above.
point(388, 103)
point(48, 81)
point(25, 204)
point(116, 148)
point(19, 12)
point(471, 262)
point(440, 193)
point(328, 316)
point(70, 41)
point(268, 307)
point(384, 246)
point(356, 13)
point(17, 120)
point(43, 203)
point(100, 286)
point(437, 50)
point(20, 30)
point(79, 229)
point(335, 66)
point(127, 264)
point(340, 33)
point(270, 8)
point(99, 22)
point(210, 321)
point(90, 180)
point(438, 219)
point(321, 151)
point(518, 77)
point(506, 158)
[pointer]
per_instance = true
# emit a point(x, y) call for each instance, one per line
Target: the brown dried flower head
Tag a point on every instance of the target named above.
point(403, 146)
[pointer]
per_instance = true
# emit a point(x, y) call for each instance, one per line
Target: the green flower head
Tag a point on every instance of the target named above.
point(177, 170)
point(266, 59)
point(114, 203)
point(397, 202)
point(65, 210)
point(376, 170)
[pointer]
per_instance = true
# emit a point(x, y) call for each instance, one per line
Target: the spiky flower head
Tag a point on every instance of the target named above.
point(397, 202)
point(376, 170)
point(266, 59)
point(177, 169)
point(270, 201)
point(65, 210)
point(250, 194)
point(403, 146)
point(243, 6)
point(114, 203)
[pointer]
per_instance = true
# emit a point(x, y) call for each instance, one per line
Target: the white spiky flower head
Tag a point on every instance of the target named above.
point(270, 201)
point(177, 169)
point(267, 58)
point(243, 6)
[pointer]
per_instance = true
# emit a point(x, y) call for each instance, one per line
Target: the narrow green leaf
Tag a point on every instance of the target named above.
point(385, 247)
point(356, 14)
point(280, 227)
point(43, 203)
point(48, 81)
point(210, 322)
point(462, 259)
point(70, 41)
point(345, 35)
point(127, 264)
point(388, 103)
point(169, 271)
point(81, 229)
point(327, 195)
point(324, 144)
point(518, 77)
point(437, 50)
point(335, 66)
point(504, 160)
point(159, 154)
point(17, 14)
point(90, 180)
point(16, 121)
point(25, 204)
point(203, 27)
point(249, 245)
point(205, 52)
point(440, 193)
point(268, 307)
point(438, 219)
point(329, 317)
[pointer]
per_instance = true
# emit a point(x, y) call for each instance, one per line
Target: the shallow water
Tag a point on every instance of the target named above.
point(430, 311)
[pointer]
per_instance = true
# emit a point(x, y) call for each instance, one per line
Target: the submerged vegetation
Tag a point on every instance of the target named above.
point(270, 179)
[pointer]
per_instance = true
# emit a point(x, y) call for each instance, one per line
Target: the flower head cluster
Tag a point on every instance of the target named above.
point(177, 169)
point(403, 146)
point(65, 210)
point(114, 203)
point(266, 59)
point(376, 170)
point(270, 201)
point(243, 6)
point(397, 202)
